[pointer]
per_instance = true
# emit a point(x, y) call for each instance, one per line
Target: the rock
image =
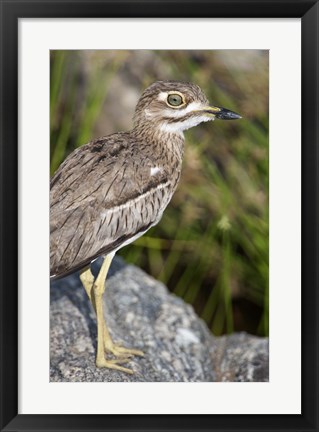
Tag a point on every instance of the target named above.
point(142, 314)
point(241, 357)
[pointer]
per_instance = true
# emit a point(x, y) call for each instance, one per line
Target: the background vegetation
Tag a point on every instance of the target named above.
point(211, 247)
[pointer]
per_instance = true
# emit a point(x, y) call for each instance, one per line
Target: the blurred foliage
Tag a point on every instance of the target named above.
point(211, 247)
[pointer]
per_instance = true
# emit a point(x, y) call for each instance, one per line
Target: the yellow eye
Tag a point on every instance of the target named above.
point(174, 99)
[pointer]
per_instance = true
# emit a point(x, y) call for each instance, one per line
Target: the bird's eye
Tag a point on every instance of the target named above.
point(174, 99)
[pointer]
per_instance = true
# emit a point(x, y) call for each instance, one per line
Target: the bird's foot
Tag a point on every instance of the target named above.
point(122, 352)
point(113, 364)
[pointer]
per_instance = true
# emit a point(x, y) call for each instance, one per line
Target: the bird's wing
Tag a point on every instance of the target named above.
point(102, 195)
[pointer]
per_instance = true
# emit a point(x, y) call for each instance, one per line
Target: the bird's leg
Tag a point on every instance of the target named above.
point(109, 345)
point(87, 279)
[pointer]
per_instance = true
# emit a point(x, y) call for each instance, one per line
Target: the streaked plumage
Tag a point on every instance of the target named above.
point(105, 193)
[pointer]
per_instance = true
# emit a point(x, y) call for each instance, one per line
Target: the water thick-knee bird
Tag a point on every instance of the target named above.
point(110, 191)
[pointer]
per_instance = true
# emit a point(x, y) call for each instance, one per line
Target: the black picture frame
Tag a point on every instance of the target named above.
point(11, 11)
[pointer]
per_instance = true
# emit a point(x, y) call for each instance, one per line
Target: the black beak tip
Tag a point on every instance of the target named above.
point(226, 114)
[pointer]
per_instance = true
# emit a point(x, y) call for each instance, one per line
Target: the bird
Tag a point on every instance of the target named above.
point(110, 191)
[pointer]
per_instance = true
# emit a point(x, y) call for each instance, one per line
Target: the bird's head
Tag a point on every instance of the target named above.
point(174, 106)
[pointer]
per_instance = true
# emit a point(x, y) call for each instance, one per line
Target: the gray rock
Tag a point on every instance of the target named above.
point(142, 314)
point(241, 357)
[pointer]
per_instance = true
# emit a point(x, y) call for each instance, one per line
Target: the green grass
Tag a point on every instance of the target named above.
point(211, 247)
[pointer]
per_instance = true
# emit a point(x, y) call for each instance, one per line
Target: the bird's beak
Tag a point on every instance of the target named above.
point(221, 113)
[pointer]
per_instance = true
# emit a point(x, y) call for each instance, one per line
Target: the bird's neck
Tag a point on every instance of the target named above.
point(161, 142)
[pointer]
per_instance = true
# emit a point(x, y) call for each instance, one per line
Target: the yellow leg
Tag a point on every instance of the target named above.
point(87, 280)
point(95, 292)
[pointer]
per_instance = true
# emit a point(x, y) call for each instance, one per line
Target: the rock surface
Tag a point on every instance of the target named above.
point(142, 314)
